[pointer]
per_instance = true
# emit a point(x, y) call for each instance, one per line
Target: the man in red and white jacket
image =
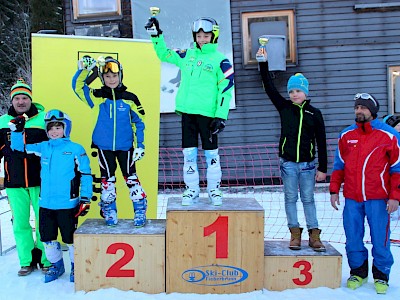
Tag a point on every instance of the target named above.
point(367, 161)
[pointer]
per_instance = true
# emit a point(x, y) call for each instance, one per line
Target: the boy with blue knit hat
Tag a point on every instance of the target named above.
point(302, 129)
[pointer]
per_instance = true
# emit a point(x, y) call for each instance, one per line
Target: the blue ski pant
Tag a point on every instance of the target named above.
point(354, 214)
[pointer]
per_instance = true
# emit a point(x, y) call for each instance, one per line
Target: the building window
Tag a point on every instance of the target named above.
point(394, 89)
point(277, 22)
point(84, 9)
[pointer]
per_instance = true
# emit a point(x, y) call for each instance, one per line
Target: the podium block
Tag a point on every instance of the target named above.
point(305, 268)
point(214, 249)
point(123, 257)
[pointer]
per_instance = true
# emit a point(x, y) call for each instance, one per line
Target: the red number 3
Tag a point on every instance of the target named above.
point(115, 269)
point(305, 271)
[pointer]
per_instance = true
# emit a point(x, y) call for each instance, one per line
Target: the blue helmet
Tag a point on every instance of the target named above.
point(56, 115)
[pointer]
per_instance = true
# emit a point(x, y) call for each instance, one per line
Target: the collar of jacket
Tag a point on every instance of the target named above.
point(366, 127)
point(207, 48)
point(33, 111)
point(59, 141)
point(106, 92)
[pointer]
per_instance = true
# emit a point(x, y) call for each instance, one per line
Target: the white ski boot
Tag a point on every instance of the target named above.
point(190, 196)
point(215, 196)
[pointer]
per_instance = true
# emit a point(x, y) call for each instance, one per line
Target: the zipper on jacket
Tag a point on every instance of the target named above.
point(312, 147)
point(115, 119)
point(222, 101)
point(283, 145)
point(299, 134)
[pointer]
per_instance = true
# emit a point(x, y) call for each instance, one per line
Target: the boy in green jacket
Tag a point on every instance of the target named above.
point(202, 101)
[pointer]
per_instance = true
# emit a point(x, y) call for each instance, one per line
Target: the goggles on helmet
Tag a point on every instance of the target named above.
point(204, 25)
point(54, 115)
point(364, 96)
point(110, 66)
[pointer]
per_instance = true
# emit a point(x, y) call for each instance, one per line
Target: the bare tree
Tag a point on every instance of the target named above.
point(15, 52)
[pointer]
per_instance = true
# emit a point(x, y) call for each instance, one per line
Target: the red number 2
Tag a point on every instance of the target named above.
point(305, 272)
point(220, 227)
point(115, 269)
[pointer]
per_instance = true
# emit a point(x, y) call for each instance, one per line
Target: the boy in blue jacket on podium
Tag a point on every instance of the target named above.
point(66, 185)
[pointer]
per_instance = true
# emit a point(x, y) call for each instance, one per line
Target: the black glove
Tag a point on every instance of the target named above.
point(84, 206)
point(17, 124)
point(153, 27)
point(217, 125)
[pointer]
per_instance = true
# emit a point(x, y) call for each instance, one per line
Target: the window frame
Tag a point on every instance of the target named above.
point(393, 72)
point(77, 16)
point(246, 17)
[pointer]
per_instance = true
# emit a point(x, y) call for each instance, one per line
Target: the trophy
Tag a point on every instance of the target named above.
point(150, 27)
point(261, 55)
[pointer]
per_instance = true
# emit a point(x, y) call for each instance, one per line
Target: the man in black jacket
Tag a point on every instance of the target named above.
point(22, 176)
point(302, 126)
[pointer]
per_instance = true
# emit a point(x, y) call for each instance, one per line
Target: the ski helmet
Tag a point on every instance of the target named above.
point(113, 65)
point(207, 25)
point(56, 115)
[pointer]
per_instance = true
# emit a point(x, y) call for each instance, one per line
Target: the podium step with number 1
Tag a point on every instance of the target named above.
point(215, 249)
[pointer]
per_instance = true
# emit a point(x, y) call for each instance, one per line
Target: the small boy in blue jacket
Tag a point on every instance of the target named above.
point(66, 185)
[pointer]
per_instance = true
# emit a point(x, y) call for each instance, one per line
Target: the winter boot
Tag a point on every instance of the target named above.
point(315, 241)
point(190, 196)
point(381, 286)
point(354, 282)
point(295, 238)
point(215, 196)
point(25, 271)
point(140, 208)
point(55, 271)
point(107, 204)
point(72, 275)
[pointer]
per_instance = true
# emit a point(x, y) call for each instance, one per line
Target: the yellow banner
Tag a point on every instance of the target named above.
point(54, 62)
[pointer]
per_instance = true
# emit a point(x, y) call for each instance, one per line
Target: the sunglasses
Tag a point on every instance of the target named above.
point(110, 66)
point(54, 115)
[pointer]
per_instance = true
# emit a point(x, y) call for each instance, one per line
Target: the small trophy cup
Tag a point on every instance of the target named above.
point(261, 55)
point(150, 27)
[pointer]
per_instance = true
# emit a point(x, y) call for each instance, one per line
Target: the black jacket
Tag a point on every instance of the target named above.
point(301, 126)
point(22, 170)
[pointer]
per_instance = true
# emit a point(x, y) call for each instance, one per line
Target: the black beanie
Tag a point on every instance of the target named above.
point(368, 101)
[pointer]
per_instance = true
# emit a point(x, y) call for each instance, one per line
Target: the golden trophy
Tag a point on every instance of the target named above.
point(150, 26)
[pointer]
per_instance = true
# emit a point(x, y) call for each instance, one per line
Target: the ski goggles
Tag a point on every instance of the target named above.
point(364, 96)
point(204, 25)
point(110, 66)
point(54, 115)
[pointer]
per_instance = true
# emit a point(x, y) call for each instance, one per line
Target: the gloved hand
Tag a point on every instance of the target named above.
point(261, 55)
point(84, 206)
point(153, 27)
point(87, 63)
point(138, 154)
point(217, 125)
point(18, 123)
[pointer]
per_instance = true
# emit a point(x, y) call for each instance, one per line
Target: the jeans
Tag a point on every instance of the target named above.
point(295, 177)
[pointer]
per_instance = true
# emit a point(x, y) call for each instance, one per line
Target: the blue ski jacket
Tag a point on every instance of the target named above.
point(119, 115)
point(65, 171)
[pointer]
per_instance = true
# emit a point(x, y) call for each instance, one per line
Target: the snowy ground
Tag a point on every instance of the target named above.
point(33, 288)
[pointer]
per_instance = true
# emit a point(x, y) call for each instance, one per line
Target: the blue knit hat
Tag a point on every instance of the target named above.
point(298, 82)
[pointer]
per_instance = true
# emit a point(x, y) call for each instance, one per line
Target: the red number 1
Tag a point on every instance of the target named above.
point(220, 227)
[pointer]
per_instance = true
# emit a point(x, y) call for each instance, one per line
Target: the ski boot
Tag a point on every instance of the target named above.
point(354, 282)
point(215, 196)
point(109, 213)
point(140, 208)
point(381, 286)
point(190, 196)
point(55, 271)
